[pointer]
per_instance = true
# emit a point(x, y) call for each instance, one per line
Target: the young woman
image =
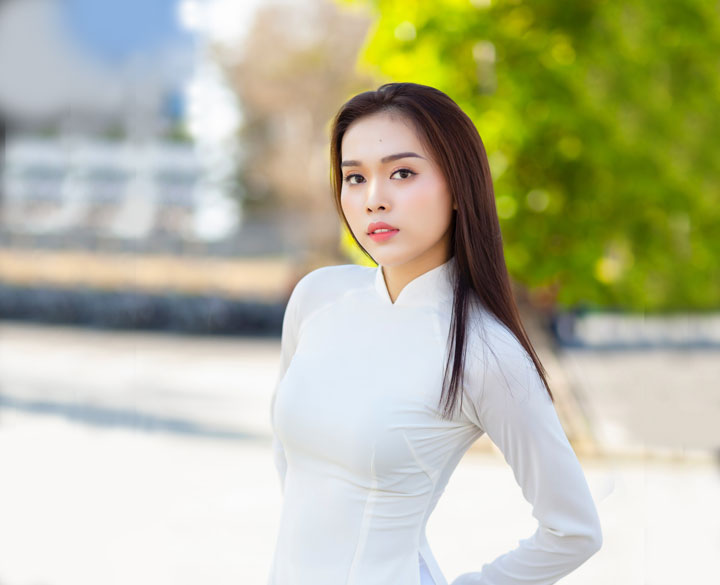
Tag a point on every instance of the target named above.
point(389, 374)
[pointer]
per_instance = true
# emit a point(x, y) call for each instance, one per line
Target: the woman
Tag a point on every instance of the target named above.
point(389, 374)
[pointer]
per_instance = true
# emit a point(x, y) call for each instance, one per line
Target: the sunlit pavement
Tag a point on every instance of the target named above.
point(145, 459)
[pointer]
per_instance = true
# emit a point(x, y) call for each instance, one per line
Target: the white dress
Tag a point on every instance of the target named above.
point(363, 456)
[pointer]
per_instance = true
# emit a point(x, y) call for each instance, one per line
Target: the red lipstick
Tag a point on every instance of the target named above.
point(386, 231)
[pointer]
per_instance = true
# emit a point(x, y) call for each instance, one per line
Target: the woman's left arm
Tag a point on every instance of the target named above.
point(288, 345)
point(509, 401)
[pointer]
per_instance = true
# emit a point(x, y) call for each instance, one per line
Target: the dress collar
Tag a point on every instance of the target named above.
point(430, 288)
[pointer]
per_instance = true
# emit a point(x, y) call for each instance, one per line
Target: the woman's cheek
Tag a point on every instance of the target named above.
point(350, 209)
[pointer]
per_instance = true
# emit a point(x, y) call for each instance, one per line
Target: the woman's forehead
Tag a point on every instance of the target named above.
point(379, 135)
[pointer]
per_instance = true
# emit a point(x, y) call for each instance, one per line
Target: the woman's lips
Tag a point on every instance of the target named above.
point(382, 236)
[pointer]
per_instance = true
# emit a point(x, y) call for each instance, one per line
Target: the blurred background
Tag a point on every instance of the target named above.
point(164, 183)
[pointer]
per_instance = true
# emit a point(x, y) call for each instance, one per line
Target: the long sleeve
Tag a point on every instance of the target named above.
point(509, 401)
point(288, 343)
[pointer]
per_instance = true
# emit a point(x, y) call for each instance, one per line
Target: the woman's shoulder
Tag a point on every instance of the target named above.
point(498, 365)
point(491, 337)
point(339, 276)
point(328, 283)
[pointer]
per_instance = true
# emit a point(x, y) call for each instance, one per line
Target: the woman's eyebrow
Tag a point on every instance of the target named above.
point(385, 159)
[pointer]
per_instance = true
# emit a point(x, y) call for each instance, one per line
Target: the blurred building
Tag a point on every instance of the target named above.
point(97, 106)
point(126, 198)
point(88, 188)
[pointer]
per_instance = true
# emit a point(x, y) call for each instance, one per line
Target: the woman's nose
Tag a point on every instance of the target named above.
point(376, 196)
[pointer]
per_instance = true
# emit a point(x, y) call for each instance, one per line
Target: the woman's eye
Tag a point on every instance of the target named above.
point(355, 179)
point(406, 172)
point(349, 178)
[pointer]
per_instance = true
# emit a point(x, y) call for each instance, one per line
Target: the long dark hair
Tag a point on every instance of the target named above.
point(476, 241)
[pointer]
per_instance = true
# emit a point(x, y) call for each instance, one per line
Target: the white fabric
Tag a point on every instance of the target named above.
point(425, 576)
point(363, 456)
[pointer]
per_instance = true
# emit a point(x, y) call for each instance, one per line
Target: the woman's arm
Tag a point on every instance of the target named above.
point(509, 401)
point(288, 343)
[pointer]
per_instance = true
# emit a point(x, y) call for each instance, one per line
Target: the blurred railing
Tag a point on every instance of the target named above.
point(615, 330)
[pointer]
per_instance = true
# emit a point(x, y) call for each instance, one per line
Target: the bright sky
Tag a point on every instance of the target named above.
point(101, 46)
point(114, 30)
point(225, 21)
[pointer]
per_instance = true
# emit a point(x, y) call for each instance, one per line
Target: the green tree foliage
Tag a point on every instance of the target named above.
point(602, 124)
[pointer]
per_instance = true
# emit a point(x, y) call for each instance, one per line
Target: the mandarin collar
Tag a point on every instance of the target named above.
point(428, 289)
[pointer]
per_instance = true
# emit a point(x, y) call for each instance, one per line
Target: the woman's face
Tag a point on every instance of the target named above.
point(389, 177)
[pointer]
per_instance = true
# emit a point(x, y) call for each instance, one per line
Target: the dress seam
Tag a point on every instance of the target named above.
point(432, 568)
point(365, 525)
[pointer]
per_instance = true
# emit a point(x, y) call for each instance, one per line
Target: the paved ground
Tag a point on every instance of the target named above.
point(660, 400)
point(132, 459)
